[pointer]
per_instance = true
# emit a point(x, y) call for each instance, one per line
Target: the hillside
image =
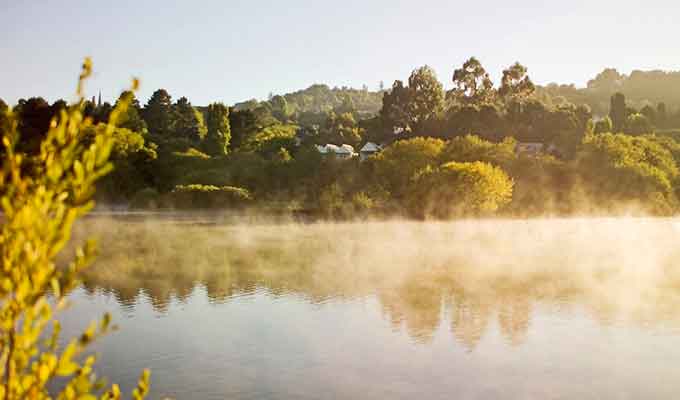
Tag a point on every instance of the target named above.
point(641, 88)
point(321, 98)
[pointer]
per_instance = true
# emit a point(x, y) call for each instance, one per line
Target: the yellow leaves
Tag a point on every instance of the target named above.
point(87, 336)
point(113, 394)
point(66, 366)
point(40, 202)
point(79, 171)
point(143, 385)
point(43, 373)
point(7, 206)
point(7, 285)
point(84, 74)
point(52, 343)
point(56, 287)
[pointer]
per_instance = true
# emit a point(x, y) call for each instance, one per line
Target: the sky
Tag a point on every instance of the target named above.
point(233, 50)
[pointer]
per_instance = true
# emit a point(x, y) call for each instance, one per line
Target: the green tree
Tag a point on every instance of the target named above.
point(187, 122)
point(426, 100)
point(515, 83)
point(280, 108)
point(394, 112)
point(341, 129)
point(650, 113)
point(102, 112)
point(132, 160)
point(617, 112)
point(409, 109)
point(132, 118)
point(269, 140)
point(158, 113)
point(472, 148)
point(346, 106)
point(35, 115)
point(38, 214)
point(219, 130)
point(472, 84)
point(246, 123)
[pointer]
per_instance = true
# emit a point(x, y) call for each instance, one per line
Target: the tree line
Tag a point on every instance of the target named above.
point(447, 153)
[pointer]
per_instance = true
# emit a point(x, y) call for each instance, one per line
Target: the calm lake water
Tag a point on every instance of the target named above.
point(573, 309)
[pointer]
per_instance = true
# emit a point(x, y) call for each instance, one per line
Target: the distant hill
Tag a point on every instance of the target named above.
point(321, 98)
point(641, 88)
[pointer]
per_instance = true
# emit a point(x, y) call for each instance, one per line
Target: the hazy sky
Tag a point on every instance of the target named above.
point(233, 50)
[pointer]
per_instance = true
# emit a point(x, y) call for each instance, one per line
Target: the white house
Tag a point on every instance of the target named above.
point(368, 150)
point(342, 152)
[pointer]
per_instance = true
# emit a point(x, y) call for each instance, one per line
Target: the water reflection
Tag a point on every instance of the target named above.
point(471, 275)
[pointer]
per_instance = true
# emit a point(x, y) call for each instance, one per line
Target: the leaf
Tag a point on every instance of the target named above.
point(67, 368)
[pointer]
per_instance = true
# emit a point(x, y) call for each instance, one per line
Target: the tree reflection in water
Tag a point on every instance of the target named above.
point(477, 273)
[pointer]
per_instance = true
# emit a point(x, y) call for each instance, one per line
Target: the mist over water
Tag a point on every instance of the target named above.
point(556, 308)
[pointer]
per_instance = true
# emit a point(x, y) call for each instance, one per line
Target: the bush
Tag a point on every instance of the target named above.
point(460, 189)
point(38, 215)
point(397, 164)
point(192, 152)
point(472, 148)
point(208, 196)
point(636, 170)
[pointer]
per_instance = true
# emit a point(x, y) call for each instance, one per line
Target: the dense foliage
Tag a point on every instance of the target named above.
point(531, 150)
point(460, 189)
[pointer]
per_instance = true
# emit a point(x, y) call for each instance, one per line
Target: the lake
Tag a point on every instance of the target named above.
point(539, 309)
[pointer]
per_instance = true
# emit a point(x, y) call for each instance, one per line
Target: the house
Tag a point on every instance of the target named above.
point(342, 152)
point(368, 150)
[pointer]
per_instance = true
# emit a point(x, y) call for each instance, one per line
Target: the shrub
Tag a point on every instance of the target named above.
point(472, 148)
point(623, 169)
point(39, 211)
point(397, 164)
point(191, 152)
point(208, 196)
point(460, 189)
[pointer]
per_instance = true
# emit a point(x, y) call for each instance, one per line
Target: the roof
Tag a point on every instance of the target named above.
point(345, 148)
point(370, 147)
